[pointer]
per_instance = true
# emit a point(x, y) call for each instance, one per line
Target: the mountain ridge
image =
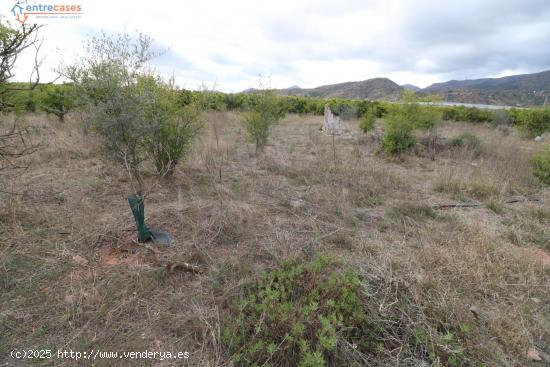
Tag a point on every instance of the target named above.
point(515, 90)
point(375, 88)
point(524, 82)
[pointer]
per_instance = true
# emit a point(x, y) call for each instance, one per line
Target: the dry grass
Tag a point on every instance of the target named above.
point(71, 275)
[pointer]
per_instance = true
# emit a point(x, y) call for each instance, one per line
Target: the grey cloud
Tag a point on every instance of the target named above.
point(463, 39)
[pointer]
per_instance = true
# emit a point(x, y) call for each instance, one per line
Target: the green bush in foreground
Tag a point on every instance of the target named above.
point(321, 313)
point(540, 164)
point(297, 314)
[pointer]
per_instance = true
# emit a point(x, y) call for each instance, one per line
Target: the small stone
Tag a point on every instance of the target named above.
point(296, 204)
point(533, 354)
point(79, 260)
point(538, 138)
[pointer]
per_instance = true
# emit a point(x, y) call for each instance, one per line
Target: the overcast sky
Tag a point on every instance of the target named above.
point(315, 42)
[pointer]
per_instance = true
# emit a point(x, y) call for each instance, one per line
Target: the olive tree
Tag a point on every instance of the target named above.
point(132, 109)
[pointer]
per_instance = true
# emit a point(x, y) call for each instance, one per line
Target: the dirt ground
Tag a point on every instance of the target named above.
point(72, 275)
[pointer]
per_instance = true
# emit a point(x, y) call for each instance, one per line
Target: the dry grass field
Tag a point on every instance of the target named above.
point(72, 275)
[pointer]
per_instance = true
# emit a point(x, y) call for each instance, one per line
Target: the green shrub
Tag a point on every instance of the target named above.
point(540, 164)
point(20, 99)
point(398, 135)
point(58, 100)
point(381, 110)
point(213, 101)
point(368, 121)
point(403, 119)
point(321, 313)
point(417, 116)
point(264, 113)
point(184, 97)
point(422, 117)
point(137, 114)
point(30, 102)
point(466, 114)
point(467, 141)
point(173, 139)
point(296, 315)
point(532, 122)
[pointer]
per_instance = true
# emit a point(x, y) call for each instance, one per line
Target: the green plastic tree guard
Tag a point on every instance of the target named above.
point(138, 210)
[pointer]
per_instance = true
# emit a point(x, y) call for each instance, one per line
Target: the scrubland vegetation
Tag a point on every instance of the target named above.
point(423, 242)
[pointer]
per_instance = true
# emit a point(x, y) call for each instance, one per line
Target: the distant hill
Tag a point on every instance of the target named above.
point(523, 82)
point(520, 90)
point(414, 88)
point(377, 88)
point(516, 90)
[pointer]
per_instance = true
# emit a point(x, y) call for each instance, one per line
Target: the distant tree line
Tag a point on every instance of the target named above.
point(59, 99)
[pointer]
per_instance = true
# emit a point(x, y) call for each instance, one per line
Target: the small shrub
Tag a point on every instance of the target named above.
point(467, 141)
point(264, 113)
point(380, 110)
point(418, 116)
point(540, 164)
point(297, 314)
point(368, 121)
point(184, 97)
point(398, 136)
point(173, 139)
point(403, 120)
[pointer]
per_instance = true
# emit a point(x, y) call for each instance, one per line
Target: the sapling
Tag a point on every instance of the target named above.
point(135, 112)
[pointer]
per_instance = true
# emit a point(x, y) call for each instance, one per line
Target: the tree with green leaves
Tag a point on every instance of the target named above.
point(58, 100)
point(403, 119)
point(135, 111)
point(265, 111)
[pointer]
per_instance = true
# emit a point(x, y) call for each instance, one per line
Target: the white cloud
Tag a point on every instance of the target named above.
point(311, 43)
